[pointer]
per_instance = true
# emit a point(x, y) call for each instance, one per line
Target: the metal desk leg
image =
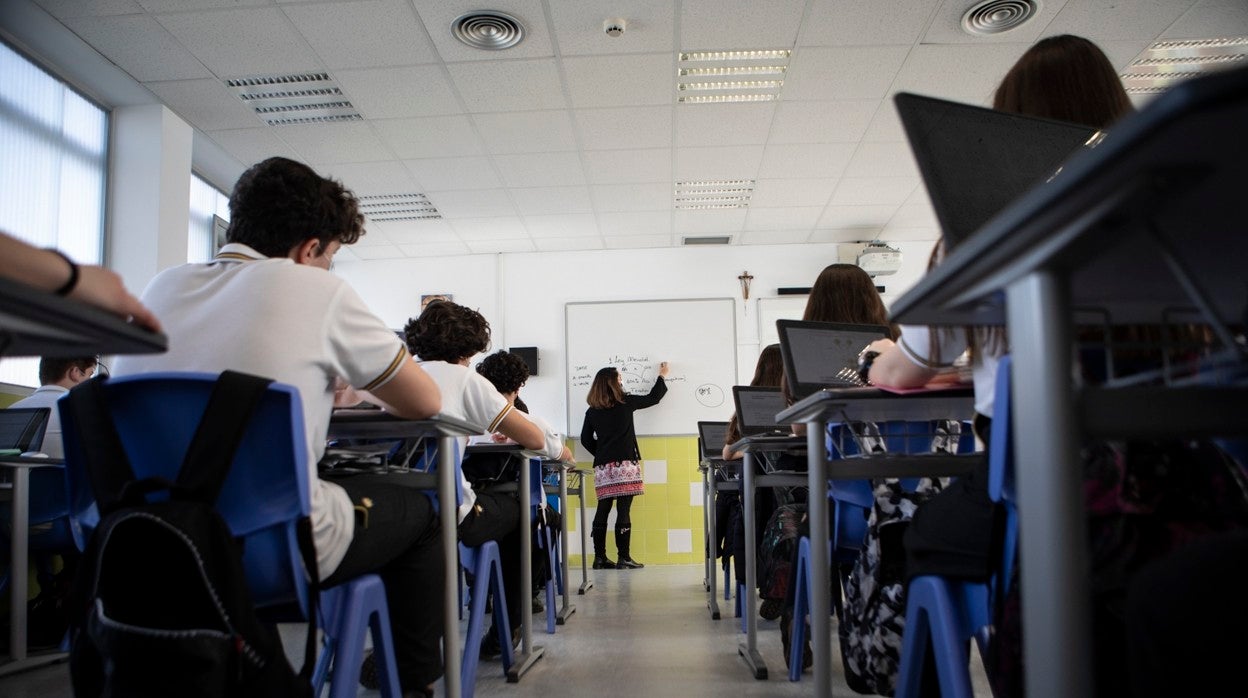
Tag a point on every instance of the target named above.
point(707, 532)
point(449, 517)
point(566, 609)
point(820, 608)
point(749, 649)
point(586, 584)
point(712, 566)
point(1056, 604)
point(528, 654)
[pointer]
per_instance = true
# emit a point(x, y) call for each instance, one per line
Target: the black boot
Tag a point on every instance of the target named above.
point(601, 561)
point(622, 536)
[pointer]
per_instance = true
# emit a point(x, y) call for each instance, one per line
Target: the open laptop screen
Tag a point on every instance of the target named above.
point(21, 428)
point(820, 355)
point(711, 436)
point(975, 160)
point(757, 409)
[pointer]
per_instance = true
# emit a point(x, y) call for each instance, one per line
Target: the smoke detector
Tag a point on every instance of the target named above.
point(614, 27)
point(488, 30)
point(996, 16)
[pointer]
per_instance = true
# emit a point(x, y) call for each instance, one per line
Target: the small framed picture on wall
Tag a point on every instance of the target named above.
point(427, 298)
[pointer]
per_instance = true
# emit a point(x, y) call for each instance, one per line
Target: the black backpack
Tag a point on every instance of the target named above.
point(160, 606)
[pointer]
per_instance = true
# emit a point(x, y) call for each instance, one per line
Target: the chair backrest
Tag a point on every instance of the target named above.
point(1001, 437)
point(265, 494)
point(21, 428)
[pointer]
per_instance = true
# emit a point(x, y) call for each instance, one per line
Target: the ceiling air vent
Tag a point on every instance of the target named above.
point(1168, 62)
point(706, 240)
point(716, 77)
point(281, 100)
point(398, 207)
point(488, 30)
point(699, 194)
point(997, 16)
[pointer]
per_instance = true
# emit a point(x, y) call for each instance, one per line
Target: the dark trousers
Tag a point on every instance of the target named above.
point(399, 539)
point(623, 514)
point(496, 517)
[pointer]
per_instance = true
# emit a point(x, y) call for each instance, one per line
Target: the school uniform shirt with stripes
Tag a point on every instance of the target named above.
point(294, 323)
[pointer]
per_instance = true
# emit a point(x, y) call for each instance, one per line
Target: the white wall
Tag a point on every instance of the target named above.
point(523, 294)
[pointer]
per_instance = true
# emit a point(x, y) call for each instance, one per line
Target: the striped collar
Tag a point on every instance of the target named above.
point(237, 252)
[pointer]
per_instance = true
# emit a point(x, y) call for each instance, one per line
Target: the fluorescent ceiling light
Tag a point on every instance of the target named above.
point(281, 100)
point(1166, 63)
point(713, 194)
point(398, 207)
point(713, 76)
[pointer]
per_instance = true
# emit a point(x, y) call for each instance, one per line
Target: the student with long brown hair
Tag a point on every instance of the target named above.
point(608, 434)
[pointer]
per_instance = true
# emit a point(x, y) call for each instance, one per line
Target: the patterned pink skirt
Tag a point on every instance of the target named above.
point(618, 479)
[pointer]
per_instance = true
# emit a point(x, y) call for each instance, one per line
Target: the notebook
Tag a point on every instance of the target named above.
point(21, 428)
point(974, 161)
point(711, 437)
point(820, 355)
point(757, 409)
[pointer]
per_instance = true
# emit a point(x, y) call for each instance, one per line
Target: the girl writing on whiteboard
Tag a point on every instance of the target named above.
point(609, 435)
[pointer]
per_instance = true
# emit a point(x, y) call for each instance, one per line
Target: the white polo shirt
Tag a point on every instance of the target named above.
point(294, 323)
point(916, 344)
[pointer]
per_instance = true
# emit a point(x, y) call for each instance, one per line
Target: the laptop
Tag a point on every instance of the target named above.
point(820, 355)
point(757, 409)
point(711, 437)
point(21, 428)
point(975, 161)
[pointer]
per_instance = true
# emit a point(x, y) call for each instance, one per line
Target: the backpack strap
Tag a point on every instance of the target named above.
point(233, 401)
point(107, 465)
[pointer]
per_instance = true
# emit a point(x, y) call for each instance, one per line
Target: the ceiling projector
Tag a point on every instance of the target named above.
point(878, 259)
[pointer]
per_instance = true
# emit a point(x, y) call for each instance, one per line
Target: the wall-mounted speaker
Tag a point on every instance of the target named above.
point(529, 354)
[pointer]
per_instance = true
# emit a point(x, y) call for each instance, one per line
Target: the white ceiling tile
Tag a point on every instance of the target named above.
point(1209, 19)
point(397, 93)
point(718, 124)
point(774, 193)
point(377, 252)
point(739, 24)
point(139, 46)
point(650, 196)
point(637, 223)
point(338, 142)
point(445, 174)
point(860, 72)
point(1111, 20)
point(477, 203)
point(89, 8)
point(568, 244)
point(370, 178)
point(436, 249)
point(882, 160)
point(919, 197)
point(890, 233)
point(885, 125)
point(541, 169)
point(438, 15)
point(774, 237)
point(430, 137)
point(627, 166)
point(704, 222)
point(526, 132)
point(476, 229)
point(967, 73)
point(857, 23)
point(251, 145)
point(1123, 53)
point(790, 218)
point(842, 121)
point(512, 85)
point(532, 201)
point(500, 246)
point(843, 235)
point(344, 254)
point(635, 242)
point(418, 232)
point(918, 215)
point(625, 128)
point(855, 216)
point(805, 160)
point(363, 34)
point(563, 226)
point(871, 191)
point(946, 26)
point(375, 237)
point(181, 5)
point(579, 26)
point(730, 162)
point(621, 81)
point(234, 43)
point(206, 103)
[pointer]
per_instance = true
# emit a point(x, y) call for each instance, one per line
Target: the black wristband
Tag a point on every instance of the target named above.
point(865, 359)
point(69, 285)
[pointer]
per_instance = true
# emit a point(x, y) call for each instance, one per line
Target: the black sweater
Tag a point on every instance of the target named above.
point(609, 433)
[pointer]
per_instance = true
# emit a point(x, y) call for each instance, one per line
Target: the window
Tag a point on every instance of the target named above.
point(53, 168)
point(206, 202)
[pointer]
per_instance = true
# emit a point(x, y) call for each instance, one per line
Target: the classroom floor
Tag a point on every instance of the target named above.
point(636, 632)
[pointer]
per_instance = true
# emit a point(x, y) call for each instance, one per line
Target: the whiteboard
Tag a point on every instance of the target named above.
point(698, 339)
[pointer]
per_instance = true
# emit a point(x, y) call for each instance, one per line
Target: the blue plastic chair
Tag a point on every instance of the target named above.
point(944, 614)
point(265, 495)
point(487, 577)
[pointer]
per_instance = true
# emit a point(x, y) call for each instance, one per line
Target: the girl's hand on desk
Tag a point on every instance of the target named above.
point(104, 288)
